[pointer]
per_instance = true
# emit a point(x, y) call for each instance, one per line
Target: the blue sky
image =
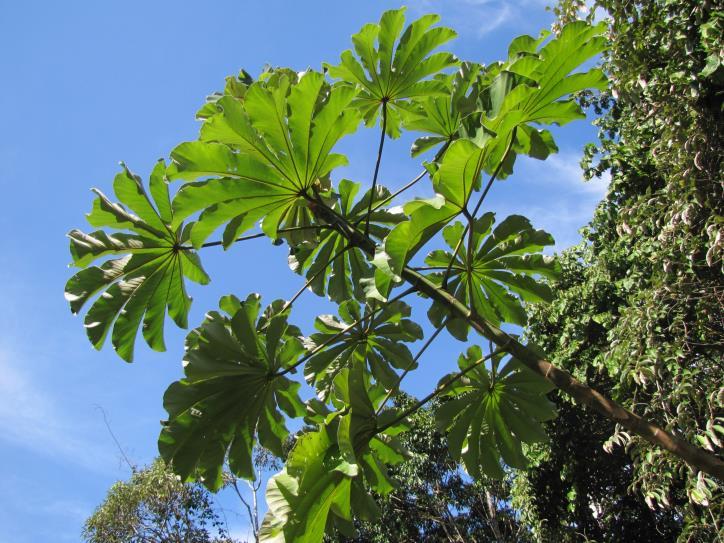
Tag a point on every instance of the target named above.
point(87, 84)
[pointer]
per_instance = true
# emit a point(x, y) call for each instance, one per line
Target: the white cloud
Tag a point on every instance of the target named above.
point(553, 195)
point(482, 16)
point(564, 171)
point(32, 419)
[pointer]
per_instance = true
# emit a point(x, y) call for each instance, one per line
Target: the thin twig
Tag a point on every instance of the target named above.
point(377, 165)
point(115, 439)
point(396, 386)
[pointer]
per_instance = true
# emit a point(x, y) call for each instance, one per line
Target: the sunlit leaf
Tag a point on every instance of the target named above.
point(147, 280)
point(392, 65)
point(488, 415)
point(233, 392)
point(264, 158)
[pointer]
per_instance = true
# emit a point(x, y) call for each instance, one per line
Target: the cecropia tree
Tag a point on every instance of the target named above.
point(265, 159)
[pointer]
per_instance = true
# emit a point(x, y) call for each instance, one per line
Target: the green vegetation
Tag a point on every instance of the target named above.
point(639, 300)
point(638, 309)
point(155, 506)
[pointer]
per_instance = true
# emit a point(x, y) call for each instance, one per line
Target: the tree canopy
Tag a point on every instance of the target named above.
point(154, 506)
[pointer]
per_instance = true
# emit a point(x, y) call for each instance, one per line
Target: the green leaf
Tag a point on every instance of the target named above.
point(427, 218)
point(343, 278)
point(536, 86)
point(501, 273)
point(266, 157)
point(376, 341)
point(392, 66)
point(301, 496)
point(147, 280)
point(233, 391)
point(487, 416)
point(443, 115)
point(322, 485)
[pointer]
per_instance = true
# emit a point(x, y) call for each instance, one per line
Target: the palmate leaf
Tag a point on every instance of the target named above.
point(536, 86)
point(264, 156)
point(442, 116)
point(342, 278)
point(392, 66)
point(324, 483)
point(488, 415)
point(147, 280)
point(236, 86)
point(376, 340)
point(233, 391)
point(501, 274)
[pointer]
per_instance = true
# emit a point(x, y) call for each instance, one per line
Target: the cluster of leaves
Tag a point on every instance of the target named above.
point(154, 505)
point(265, 156)
point(643, 311)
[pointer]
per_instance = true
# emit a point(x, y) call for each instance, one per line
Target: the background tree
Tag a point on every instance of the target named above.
point(154, 506)
point(639, 307)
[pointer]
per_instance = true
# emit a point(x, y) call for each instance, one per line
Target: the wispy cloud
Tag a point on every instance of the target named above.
point(553, 195)
point(33, 419)
point(481, 16)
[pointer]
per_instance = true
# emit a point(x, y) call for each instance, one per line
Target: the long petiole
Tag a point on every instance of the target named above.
point(377, 165)
point(339, 334)
point(396, 387)
point(259, 235)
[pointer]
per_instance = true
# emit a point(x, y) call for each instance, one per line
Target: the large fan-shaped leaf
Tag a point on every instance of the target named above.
point(342, 277)
point(233, 391)
point(392, 66)
point(361, 338)
point(488, 415)
point(265, 156)
point(500, 275)
point(147, 280)
point(536, 84)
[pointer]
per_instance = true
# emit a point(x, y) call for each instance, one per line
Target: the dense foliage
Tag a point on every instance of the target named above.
point(639, 308)
point(154, 506)
point(435, 500)
point(265, 157)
